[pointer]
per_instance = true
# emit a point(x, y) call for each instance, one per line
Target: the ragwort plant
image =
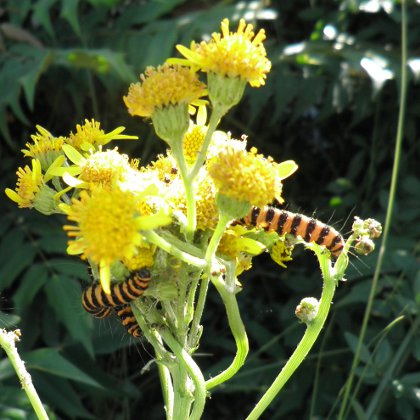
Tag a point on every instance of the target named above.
point(156, 236)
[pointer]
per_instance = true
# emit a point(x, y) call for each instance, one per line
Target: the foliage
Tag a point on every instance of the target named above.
point(333, 108)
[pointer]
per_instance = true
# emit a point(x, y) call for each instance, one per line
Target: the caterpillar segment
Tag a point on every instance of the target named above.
point(128, 320)
point(101, 312)
point(309, 229)
point(94, 298)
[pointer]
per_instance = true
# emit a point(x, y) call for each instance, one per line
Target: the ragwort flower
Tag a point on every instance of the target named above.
point(231, 60)
point(45, 147)
point(247, 176)
point(164, 94)
point(107, 228)
point(32, 191)
point(90, 136)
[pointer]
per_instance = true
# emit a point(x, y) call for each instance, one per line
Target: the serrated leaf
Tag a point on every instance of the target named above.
point(51, 361)
point(64, 296)
point(352, 341)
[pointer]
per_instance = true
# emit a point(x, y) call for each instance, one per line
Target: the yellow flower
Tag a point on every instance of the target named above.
point(45, 147)
point(28, 185)
point(103, 168)
point(195, 135)
point(90, 136)
point(107, 227)
point(239, 54)
point(32, 190)
point(144, 257)
point(246, 176)
point(162, 87)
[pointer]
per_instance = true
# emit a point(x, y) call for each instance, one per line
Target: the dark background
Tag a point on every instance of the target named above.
point(331, 103)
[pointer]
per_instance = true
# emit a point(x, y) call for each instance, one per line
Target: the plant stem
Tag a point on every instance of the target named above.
point(306, 343)
point(178, 152)
point(8, 342)
point(167, 388)
point(187, 363)
point(390, 206)
point(170, 248)
point(238, 330)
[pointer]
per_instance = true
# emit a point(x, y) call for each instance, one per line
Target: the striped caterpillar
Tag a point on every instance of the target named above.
point(94, 299)
point(125, 313)
point(100, 305)
point(309, 229)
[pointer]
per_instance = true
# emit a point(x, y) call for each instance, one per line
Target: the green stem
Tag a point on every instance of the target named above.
point(381, 390)
point(8, 342)
point(210, 253)
point(312, 332)
point(224, 220)
point(187, 362)
point(194, 334)
point(238, 330)
point(178, 152)
point(170, 248)
point(390, 206)
point(167, 388)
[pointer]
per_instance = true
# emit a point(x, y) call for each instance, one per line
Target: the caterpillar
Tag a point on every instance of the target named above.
point(309, 229)
point(125, 313)
point(95, 300)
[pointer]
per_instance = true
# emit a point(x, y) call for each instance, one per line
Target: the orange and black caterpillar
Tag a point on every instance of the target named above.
point(96, 301)
point(309, 229)
point(125, 313)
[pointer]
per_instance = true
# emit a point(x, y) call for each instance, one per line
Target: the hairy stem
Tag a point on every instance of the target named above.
point(8, 343)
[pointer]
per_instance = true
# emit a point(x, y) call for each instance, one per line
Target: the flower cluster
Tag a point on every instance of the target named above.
point(197, 213)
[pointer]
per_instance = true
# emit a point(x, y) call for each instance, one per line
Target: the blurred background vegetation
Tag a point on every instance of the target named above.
point(330, 103)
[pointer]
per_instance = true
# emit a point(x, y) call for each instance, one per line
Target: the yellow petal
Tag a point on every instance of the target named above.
point(13, 195)
point(73, 154)
point(287, 168)
point(105, 277)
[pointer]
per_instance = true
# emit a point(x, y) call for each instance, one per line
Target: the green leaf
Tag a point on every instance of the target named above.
point(30, 79)
point(41, 15)
point(59, 393)
point(15, 257)
point(352, 341)
point(64, 296)
point(69, 13)
point(51, 361)
point(30, 284)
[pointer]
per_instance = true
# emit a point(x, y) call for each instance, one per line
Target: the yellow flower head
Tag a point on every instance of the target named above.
point(193, 140)
point(90, 136)
point(232, 54)
point(144, 257)
point(246, 176)
point(45, 147)
point(104, 167)
point(28, 185)
point(106, 230)
point(165, 167)
point(162, 87)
